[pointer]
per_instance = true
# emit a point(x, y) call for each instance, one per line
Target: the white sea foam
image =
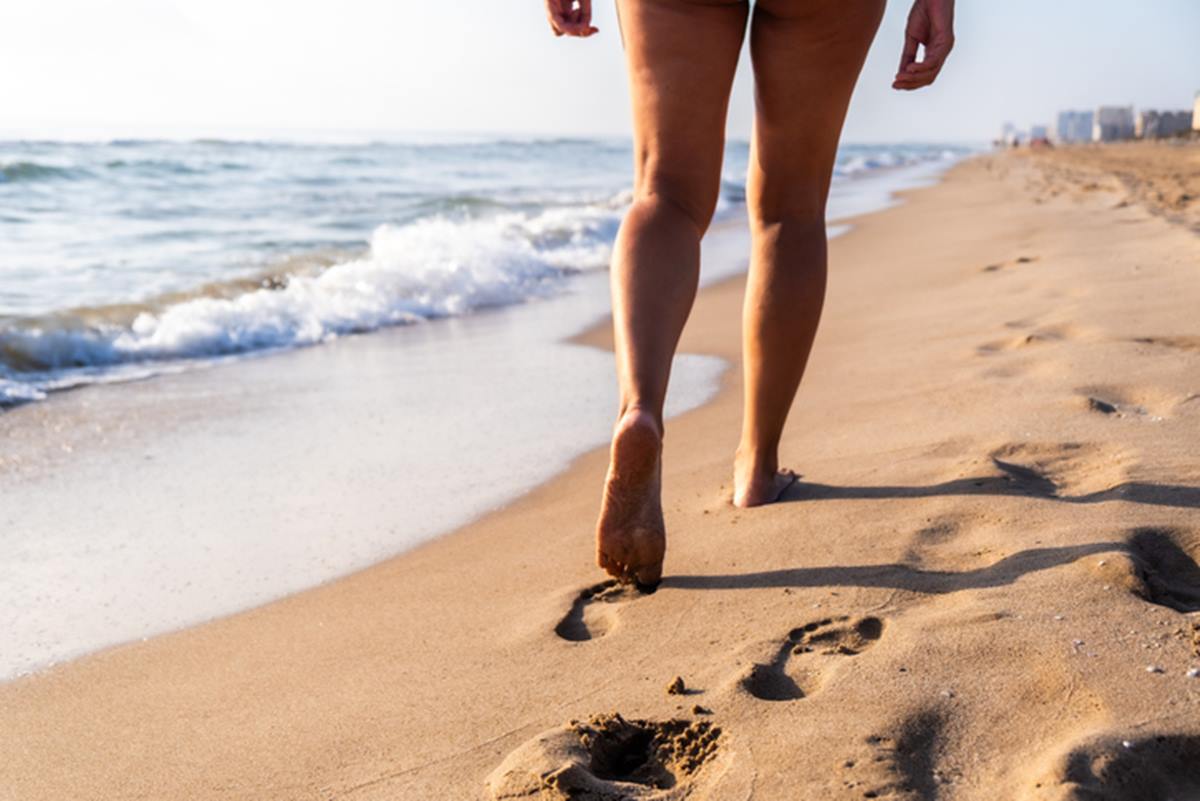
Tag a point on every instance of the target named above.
point(476, 224)
point(431, 268)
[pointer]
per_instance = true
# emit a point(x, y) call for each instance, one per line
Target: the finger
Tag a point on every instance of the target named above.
point(917, 77)
point(911, 82)
point(932, 63)
point(937, 52)
point(914, 78)
point(563, 24)
point(563, 17)
point(578, 29)
point(909, 54)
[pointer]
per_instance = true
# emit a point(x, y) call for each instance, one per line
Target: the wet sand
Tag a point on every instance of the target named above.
point(985, 585)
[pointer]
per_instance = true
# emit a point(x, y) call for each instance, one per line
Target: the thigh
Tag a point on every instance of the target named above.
point(681, 55)
point(807, 55)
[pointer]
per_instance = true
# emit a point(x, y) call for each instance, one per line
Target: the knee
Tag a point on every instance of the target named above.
point(796, 207)
point(678, 195)
point(792, 236)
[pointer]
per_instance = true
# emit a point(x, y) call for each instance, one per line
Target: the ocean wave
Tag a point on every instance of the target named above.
point(855, 164)
point(17, 171)
point(171, 167)
point(273, 256)
point(432, 268)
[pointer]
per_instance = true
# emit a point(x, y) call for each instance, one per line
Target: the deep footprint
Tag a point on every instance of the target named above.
point(608, 757)
point(789, 675)
point(1168, 561)
point(593, 613)
point(904, 764)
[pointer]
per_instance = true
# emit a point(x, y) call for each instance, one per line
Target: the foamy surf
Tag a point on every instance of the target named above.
point(425, 270)
point(200, 251)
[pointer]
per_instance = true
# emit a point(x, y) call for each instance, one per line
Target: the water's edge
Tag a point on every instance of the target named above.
point(88, 567)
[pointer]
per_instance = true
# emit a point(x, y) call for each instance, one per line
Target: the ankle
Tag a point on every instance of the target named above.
point(637, 416)
point(756, 461)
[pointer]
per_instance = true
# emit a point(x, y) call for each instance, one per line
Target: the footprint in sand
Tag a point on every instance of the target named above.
point(609, 757)
point(1038, 336)
point(1135, 403)
point(1167, 561)
point(1060, 469)
point(593, 613)
point(1165, 766)
point(904, 765)
point(937, 544)
point(1190, 343)
point(795, 670)
point(1000, 265)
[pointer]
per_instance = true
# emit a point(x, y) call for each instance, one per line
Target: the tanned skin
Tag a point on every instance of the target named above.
point(681, 56)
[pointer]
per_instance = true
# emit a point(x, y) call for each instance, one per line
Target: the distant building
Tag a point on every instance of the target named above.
point(1159, 124)
point(1145, 120)
point(1037, 133)
point(1074, 126)
point(1112, 123)
point(1196, 113)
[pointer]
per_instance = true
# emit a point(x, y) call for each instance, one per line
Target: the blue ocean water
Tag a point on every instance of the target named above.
point(124, 258)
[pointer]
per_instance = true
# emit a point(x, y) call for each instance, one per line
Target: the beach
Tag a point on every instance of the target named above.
point(985, 584)
point(306, 368)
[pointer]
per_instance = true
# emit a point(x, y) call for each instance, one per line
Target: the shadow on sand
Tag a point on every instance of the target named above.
point(899, 576)
point(1017, 482)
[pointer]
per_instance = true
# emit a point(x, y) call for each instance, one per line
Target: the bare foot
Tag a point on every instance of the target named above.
point(630, 535)
point(756, 485)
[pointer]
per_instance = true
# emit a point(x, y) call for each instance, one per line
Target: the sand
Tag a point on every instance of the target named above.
point(1162, 176)
point(985, 585)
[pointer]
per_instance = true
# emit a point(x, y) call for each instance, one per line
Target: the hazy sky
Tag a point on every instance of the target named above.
point(223, 66)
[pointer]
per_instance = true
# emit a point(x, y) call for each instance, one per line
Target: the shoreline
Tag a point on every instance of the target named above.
point(970, 502)
point(429, 256)
point(123, 582)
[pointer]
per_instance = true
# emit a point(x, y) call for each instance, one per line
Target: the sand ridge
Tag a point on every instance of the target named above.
point(986, 584)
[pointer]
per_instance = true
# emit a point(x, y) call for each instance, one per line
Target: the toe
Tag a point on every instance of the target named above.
point(784, 481)
point(646, 579)
point(606, 563)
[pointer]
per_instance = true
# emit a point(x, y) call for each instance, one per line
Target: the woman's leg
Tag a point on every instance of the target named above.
point(681, 56)
point(807, 55)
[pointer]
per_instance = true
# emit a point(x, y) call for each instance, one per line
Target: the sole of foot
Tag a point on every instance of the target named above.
point(630, 535)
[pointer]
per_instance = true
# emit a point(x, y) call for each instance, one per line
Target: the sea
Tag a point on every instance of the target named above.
point(385, 323)
point(124, 258)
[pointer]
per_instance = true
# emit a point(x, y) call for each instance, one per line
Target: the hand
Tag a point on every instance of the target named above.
point(570, 17)
point(930, 23)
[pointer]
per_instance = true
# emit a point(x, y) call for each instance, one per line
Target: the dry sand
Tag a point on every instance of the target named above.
point(1163, 176)
point(985, 587)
